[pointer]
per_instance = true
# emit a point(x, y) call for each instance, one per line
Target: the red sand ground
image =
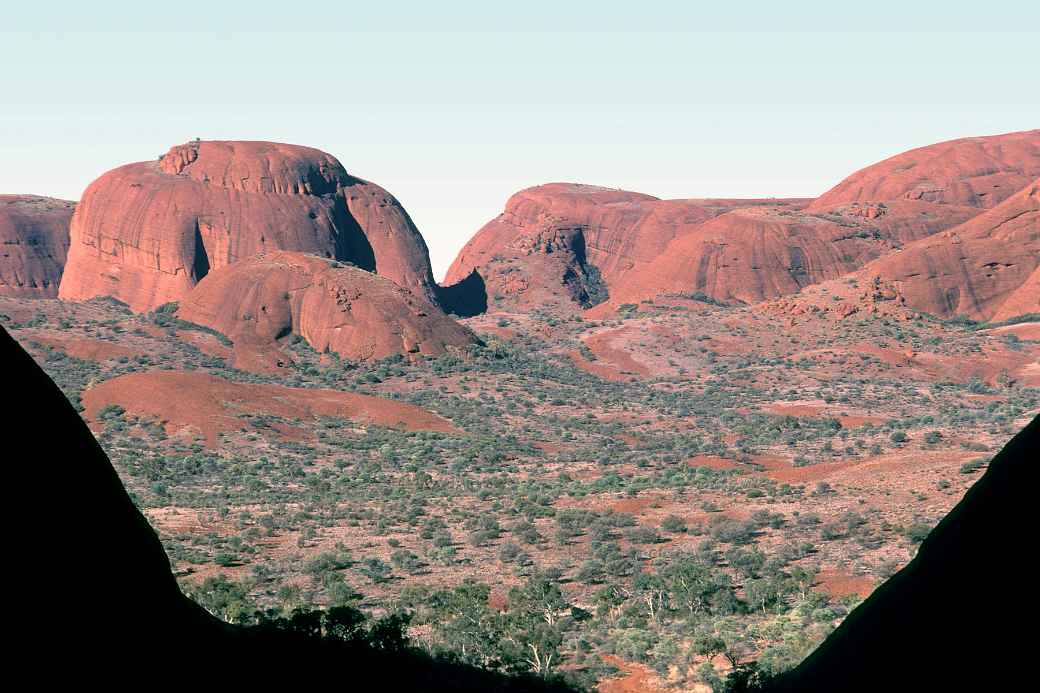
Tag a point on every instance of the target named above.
point(211, 405)
point(839, 584)
point(86, 348)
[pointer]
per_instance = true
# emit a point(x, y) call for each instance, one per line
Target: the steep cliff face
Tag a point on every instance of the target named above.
point(335, 307)
point(981, 269)
point(146, 233)
point(977, 172)
point(952, 619)
point(34, 240)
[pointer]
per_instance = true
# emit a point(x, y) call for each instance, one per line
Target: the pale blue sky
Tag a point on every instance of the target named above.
point(453, 106)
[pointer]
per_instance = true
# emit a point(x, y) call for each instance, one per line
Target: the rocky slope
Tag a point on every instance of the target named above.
point(1024, 300)
point(567, 245)
point(147, 232)
point(977, 269)
point(335, 307)
point(749, 255)
point(973, 171)
point(986, 269)
point(34, 239)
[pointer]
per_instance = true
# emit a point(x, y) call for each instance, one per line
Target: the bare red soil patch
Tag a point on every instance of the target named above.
point(818, 408)
point(206, 343)
point(634, 678)
point(211, 405)
point(599, 370)
point(604, 346)
point(840, 584)
point(1024, 330)
point(781, 469)
point(636, 505)
point(712, 462)
point(86, 348)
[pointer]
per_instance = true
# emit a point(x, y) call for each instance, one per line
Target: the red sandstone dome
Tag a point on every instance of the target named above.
point(34, 239)
point(973, 171)
point(751, 254)
point(984, 269)
point(335, 307)
point(567, 245)
point(146, 233)
point(1025, 300)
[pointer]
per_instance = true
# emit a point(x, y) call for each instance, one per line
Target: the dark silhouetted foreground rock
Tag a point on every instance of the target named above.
point(959, 616)
point(93, 599)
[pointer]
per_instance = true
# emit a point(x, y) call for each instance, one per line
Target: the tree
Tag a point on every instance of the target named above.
point(535, 610)
point(694, 584)
point(652, 591)
point(466, 625)
point(225, 599)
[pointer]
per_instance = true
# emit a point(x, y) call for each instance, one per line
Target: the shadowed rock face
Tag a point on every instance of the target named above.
point(97, 600)
point(974, 171)
point(335, 307)
point(983, 269)
point(146, 233)
point(122, 588)
point(952, 619)
point(34, 239)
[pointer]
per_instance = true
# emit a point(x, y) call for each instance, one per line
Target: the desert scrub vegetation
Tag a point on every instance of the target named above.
point(695, 519)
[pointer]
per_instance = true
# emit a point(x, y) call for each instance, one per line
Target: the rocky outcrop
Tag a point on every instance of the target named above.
point(977, 269)
point(566, 245)
point(334, 306)
point(985, 269)
point(34, 240)
point(1025, 300)
point(146, 233)
point(752, 254)
point(977, 172)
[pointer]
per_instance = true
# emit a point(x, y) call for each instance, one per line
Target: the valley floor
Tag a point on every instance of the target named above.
point(639, 500)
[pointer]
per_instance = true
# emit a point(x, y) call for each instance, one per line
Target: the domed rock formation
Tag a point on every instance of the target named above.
point(566, 245)
point(751, 254)
point(974, 172)
point(1025, 300)
point(335, 307)
point(34, 240)
point(146, 233)
point(974, 269)
point(986, 269)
